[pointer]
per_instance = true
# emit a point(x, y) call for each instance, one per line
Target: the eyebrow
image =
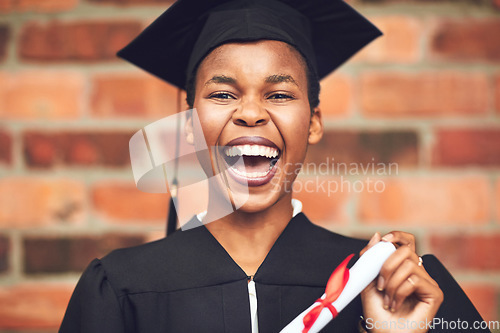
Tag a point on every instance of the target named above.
point(221, 79)
point(276, 78)
point(279, 78)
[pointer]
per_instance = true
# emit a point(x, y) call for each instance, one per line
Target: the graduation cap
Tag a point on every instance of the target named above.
point(325, 32)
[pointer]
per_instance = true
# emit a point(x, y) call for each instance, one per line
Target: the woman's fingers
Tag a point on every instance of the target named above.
point(401, 275)
point(400, 238)
point(393, 263)
point(399, 279)
point(424, 290)
point(405, 287)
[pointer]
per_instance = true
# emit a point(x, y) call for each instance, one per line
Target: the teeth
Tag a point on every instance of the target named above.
point(252, 150)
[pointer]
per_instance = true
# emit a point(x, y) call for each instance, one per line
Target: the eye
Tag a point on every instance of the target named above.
point(221, 96)
point(281, 97)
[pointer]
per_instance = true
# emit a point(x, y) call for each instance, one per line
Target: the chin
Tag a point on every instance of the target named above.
point(253, 207)
point(259, 203)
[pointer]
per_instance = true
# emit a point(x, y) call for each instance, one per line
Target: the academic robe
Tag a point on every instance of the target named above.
point(188, 283)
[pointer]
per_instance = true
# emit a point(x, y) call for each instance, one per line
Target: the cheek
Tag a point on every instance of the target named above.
point(294, 127)
point(207, 131)
point(212, 123)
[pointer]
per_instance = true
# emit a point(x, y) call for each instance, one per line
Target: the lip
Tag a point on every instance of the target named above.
point(253, 140)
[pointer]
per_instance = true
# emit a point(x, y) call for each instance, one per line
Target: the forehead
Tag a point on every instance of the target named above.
point(265, 55)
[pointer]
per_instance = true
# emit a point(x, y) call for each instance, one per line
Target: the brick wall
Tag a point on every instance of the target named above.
point(426, 97)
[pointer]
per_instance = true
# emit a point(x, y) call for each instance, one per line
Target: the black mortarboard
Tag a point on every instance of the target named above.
point(325, 32)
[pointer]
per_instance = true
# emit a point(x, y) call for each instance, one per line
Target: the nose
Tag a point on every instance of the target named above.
point(250, 113)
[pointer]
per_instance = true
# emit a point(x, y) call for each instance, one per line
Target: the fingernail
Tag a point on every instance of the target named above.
point(386, 302)
point(388, 237)
point(393, 306)
point(373, 240)
point(380, 283)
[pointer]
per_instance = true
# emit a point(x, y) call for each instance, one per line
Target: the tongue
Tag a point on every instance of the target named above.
point(254, 164)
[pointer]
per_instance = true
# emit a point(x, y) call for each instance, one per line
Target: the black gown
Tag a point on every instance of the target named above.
point(189, 283)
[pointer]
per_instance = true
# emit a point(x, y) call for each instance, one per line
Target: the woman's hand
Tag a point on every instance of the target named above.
point(404, 298)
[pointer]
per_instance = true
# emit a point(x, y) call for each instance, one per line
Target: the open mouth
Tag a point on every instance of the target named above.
point(250, 163)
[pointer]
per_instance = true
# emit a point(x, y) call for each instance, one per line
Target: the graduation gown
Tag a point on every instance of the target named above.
point(189, 283)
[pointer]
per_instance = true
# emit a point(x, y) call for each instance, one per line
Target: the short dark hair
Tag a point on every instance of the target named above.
point(313, 86)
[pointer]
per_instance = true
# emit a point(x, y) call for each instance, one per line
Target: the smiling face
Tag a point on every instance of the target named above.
point(252, 101)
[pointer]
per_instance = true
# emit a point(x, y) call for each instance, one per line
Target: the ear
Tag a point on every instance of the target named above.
point(182, 100)
point(188, 128)
point(315, 127)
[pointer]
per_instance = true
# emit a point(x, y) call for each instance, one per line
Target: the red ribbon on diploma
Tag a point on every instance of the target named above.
point(334, 287)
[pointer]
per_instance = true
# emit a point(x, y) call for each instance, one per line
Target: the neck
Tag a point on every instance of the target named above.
point(249, 236)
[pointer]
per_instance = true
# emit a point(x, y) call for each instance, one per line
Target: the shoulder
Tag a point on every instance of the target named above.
point(456, 306)
point(135, 256)
point(184, 260)
point(129, 269)
point(161, 266)
point(142, 256)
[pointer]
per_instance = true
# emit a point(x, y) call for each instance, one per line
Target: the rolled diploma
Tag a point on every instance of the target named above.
point(364, 271)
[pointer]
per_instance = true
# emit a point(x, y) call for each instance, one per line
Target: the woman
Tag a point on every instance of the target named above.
point(251, 71)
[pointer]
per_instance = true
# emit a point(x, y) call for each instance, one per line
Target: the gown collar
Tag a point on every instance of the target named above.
point(304, 254)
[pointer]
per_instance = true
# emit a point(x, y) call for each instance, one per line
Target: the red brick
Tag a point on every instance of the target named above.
point(75, 41)
point(466, 40)
point(124, 203)
point(36, 202)
point(497, 93)
point(4, 40)
point(112, 148)
point(467, 251)
point(4, 253)
point(336, 95)
point(428, 201)
point(133, 2)
point(484, 297)
point(399, 44)
point(47, 149)
point(40, 149)
point(41, 95)
point(127, 95)
point(496, 3)
point(33, 306)
point(323, 208)
point(462, 147)
point(431, 94)
point(46, 6)
point(497, 201)
point(345, 146)
point(74, 254)
point(5, 148)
